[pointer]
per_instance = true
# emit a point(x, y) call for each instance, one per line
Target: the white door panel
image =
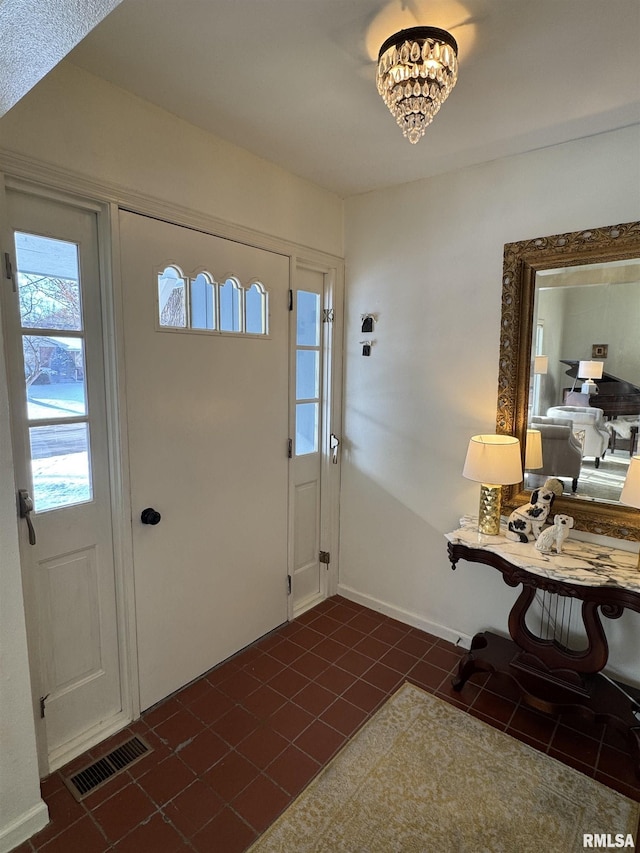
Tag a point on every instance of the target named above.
point(207, 425)
point(58, 399)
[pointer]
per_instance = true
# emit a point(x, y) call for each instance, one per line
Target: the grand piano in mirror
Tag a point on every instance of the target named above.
point(575, 297)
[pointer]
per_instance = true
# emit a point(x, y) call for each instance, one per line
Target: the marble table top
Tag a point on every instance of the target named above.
point(580, 562)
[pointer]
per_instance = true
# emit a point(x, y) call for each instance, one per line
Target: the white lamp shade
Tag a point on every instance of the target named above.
point(533, 450)
point(630, 494)
point(541, 364)
point(493, 459)
point(590, 369)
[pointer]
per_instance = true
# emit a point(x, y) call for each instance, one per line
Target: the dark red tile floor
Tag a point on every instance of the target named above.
point(234, 748)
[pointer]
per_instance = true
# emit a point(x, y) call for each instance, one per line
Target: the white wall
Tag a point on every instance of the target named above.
point(427, 259)
point(75, 122)
point(611, 311)
point(83, 124)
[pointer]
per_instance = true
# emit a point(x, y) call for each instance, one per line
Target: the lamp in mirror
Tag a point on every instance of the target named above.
point(630, 494)
point(590, 370)
point(493, 461)
point(533, 450)
point(541, 365)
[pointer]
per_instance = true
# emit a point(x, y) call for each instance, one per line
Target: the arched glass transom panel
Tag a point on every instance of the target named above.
point(231, 306)
point(256, 310)
point(172, 306)
point(203, 302)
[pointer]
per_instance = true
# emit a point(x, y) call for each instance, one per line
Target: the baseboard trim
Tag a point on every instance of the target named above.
point(406, 616)
point(307, 604)
point(87, 740)
point(23, 827)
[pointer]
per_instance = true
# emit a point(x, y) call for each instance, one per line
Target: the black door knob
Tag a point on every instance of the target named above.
point(150, 516)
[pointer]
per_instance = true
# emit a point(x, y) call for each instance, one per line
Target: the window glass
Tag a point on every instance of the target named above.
point(48, 282)
point(49, 291)
point(307, 374)
point(60, 465)
point(54, 377)
point(203, 315)
point(308, 319)
point(172, 309)
point(256, 315)
point(306, 428)
point(230, 306)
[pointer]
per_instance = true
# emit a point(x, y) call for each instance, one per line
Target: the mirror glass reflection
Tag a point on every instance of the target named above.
point(584, 383)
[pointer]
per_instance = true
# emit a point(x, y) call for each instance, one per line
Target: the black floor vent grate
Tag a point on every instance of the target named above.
point(91, 777)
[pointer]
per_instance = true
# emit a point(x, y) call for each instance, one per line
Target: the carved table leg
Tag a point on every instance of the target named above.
point(470, 664)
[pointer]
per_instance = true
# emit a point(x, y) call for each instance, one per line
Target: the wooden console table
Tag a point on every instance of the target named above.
point(551, 676)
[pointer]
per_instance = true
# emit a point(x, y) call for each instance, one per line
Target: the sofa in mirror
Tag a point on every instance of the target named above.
point(570, 357)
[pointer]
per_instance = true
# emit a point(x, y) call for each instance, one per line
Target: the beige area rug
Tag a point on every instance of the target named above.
point(424, 777)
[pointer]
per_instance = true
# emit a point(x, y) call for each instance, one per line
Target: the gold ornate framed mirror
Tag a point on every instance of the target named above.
point(570, 261)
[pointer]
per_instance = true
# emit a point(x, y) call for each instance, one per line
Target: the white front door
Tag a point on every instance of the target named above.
point(206, 352)
point(58, 401)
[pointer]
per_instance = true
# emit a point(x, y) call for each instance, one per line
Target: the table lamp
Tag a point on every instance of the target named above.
point(630, 494)
point(590, 370)
point(493, 461)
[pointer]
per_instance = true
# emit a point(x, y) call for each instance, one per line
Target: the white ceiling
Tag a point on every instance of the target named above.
point(293, 81)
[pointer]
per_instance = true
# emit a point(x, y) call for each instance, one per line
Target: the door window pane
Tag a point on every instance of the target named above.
point(306, 428)
point(256, 300)
point(172, 309)
point(308, 319)
point(307, 374)
point(230, 306)
point(60, 465)
point(48, 283)
point(54, 376)
point(203, 314)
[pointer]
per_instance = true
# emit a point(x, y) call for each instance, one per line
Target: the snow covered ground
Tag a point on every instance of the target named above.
point(60, 456)
point(61, 480)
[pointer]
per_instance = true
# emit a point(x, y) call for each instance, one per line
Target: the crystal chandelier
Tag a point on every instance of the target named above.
point(417, 68)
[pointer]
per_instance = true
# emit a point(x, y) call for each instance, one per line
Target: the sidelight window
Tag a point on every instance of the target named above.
point(307, 372)
point(53, 348)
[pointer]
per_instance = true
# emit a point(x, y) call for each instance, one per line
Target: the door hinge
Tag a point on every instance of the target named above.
point(325, 557)
point(8, 269)
point(291, 300)
point(43, 699)
point(290, 448)
point(328, 315)
point(288, 584)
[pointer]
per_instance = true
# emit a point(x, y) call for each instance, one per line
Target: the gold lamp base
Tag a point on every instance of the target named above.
point(489, 514)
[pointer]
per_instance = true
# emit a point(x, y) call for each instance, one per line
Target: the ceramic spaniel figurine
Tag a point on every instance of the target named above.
point(526, 522)
point(555, 535)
